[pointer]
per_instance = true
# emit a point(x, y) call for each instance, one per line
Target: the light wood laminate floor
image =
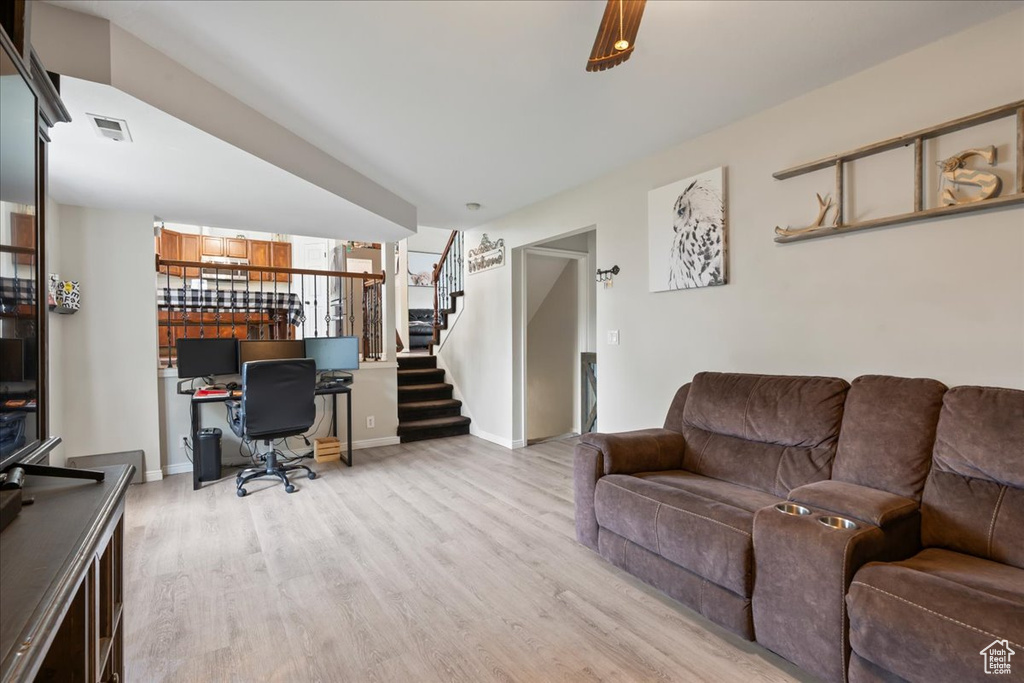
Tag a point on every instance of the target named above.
point(445, 560)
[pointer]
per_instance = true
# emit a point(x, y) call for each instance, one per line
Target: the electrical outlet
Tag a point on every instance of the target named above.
point(370, 422)
point(184, 442)
point(613, 337)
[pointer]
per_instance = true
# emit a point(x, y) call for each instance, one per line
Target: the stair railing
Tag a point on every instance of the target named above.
point(236, 301)
point(447, 278)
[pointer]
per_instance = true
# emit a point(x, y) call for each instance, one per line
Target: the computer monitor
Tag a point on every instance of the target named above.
point(206, 357)
point(267, 349)
point(333, 353)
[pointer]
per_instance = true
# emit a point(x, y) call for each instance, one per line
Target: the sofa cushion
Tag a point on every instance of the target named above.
point(974, 498)
point(888, 433)
point(929, 617)
point(766, 432)
point(742, 497)
point(773, 469)
point(688, 522)
point(775, 409)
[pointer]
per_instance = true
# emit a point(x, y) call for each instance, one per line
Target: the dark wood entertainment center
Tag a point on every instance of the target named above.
point(61, 585)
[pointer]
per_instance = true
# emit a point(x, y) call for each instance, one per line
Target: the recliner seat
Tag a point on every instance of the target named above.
point(675, 506)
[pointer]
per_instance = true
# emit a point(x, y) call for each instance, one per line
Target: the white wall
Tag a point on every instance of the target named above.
point(55, 325)
point(107, 354)
point(551, 341)
point(942, 298)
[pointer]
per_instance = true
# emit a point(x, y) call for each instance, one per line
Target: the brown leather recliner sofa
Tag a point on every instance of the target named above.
point(724, 507)
point(930, 617)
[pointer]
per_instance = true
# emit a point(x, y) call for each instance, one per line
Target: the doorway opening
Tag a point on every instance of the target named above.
point(558, 335)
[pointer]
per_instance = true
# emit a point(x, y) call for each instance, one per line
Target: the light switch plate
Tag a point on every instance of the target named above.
point(613, 337)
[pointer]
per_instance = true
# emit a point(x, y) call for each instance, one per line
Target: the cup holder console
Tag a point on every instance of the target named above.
point(792, 509)
point(837, 522)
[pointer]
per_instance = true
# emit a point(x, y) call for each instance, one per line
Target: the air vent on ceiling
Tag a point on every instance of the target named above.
point(111, 129)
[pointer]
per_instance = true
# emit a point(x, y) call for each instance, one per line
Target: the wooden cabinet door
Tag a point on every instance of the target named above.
point(213, 246)
point(170, 250)
point(190, 252)
point(259, 255)
point(236, 247)
point(23, 234)
point(281, 257)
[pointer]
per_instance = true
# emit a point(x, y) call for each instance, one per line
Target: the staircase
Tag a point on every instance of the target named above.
point(426, 409)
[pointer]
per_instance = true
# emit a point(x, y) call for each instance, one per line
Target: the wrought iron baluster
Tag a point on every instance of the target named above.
point(259, 301)
point(167, 300)
point(352, 307)
point(216, 299)
point(248, 305)
point(316, 315)
point(275, 332)
point(327, 316)
point(302, 304)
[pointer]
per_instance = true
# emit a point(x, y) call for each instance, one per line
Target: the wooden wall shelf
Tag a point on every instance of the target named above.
point(909, 217)
point(917, 138)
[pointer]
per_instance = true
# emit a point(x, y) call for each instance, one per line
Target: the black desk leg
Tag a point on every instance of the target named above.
point(195, 408)
point(348, 420)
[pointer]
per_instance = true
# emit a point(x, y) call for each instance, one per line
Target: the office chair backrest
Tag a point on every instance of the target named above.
point(278, 397)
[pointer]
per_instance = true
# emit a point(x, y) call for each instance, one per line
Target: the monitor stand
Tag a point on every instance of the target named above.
point(17, 474)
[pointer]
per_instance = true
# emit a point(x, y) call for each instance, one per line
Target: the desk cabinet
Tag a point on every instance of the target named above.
point(62, 570)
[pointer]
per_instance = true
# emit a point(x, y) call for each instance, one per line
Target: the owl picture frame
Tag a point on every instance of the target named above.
point(687, 233)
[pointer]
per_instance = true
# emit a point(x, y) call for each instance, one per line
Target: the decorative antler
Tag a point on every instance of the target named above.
point(824, 204)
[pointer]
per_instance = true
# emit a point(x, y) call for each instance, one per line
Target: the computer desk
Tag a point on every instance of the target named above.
point(195, 405)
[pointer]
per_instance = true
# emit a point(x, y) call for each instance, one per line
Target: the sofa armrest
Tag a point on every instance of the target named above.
point(645, 450)
point(597, 454)
point(804, 569)
point(859, 502)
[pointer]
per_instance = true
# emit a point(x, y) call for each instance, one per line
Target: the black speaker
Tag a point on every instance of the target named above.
point(208, 454)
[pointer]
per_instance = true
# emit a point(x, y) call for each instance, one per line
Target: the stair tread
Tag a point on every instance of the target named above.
point(414, 372)
point(424, 387)
point(436, 403)
point(434, 422)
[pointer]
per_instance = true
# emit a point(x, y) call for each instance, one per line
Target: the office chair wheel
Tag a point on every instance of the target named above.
point(289, 488)
point(241, 493)
point(311, 475)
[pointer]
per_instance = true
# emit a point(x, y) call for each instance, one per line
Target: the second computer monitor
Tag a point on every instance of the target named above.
point(269, 349)
point(333, 353)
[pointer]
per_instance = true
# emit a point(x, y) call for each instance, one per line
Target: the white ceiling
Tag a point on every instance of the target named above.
point(185, 175)
point(452, 102)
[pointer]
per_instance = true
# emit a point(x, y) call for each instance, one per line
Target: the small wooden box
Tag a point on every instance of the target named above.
point(326, 449)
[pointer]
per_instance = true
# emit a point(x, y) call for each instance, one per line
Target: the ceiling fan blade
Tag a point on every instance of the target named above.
point(615, 27)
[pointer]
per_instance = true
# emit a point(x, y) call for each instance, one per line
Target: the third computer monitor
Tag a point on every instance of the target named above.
point(333, 353)
point(206, 357)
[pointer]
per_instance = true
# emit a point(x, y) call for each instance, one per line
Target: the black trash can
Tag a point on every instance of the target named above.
point(208, 454)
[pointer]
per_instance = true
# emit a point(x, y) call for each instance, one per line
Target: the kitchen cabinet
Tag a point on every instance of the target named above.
point(236, 247)
point(275, 254)
point(170, 250)
point(190, 252)
point(213, 246)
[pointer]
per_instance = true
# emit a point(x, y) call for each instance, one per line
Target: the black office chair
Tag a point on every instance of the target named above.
point(277, 402)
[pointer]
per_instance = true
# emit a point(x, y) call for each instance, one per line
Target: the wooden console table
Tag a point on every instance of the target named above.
point(61, 589)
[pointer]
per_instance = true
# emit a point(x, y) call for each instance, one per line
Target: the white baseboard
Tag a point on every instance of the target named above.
point(177, 468)
point(374, 443)
point(493, 438)
point(155, 475)
point(519, 443)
